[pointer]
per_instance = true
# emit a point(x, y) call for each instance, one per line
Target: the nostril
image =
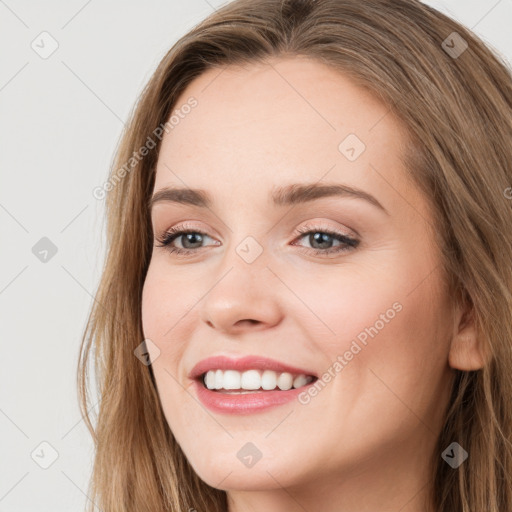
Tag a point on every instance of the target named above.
point(249, 320)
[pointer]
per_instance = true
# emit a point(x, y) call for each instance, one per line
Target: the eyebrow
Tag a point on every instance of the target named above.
point(281, 196)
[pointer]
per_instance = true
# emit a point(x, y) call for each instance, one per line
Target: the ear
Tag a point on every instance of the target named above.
point(466, 350)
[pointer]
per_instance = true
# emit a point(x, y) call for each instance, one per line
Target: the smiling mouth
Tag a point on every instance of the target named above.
point(252, 381)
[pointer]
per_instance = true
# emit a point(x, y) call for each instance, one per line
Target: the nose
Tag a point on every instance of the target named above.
point(245, 297)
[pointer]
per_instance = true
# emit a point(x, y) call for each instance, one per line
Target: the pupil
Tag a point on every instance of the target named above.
point(322, 238)
point(189, 236)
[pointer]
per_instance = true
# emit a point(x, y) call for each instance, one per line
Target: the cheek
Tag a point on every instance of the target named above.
point(350, 302)
point(169, 318)
point(388, 357)
point(154, 303)
point(391, 322)
point(161, 314)
point(395, 349)
point(165, 300)
point(161, 311)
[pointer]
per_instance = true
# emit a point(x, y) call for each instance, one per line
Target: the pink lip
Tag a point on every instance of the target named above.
point(244, 404)
point(244, 363)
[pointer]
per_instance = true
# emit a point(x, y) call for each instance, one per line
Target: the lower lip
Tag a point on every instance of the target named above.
point(227, 403)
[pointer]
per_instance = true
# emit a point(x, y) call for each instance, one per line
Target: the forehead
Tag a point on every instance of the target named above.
point(284, 121)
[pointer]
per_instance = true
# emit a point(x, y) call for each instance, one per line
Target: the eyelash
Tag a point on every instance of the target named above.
point(349, 243)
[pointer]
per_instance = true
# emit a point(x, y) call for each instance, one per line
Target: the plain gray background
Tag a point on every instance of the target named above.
point(61, 118)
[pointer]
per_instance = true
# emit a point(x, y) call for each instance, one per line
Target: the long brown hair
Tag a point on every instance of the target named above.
point(456, 104)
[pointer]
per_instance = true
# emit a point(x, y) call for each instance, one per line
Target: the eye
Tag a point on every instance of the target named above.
point(322, 240)
point(189, 238)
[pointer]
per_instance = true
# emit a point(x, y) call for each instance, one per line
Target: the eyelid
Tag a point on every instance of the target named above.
point(313, 224)
point(321, 225)
point(189, 225)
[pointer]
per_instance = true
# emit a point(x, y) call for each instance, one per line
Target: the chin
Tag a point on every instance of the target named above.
point(229, 473)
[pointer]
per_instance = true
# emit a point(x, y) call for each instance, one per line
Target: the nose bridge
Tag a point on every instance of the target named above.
point(243, 292)
point(247, 246)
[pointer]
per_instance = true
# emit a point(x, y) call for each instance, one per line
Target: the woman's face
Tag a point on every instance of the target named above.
point(372, 313)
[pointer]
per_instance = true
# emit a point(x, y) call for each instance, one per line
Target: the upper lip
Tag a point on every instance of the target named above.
point(244, 363)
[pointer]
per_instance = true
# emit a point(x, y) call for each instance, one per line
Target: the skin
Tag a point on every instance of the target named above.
point(363, 443)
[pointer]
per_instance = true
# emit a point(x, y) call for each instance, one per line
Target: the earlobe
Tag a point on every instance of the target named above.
point(466, 350)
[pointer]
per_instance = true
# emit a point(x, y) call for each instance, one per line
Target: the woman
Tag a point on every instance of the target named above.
point(306, 302)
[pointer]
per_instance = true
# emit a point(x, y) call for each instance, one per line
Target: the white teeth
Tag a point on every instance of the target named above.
point(253, 380)
point(285, 381)
point(210, 380)
point(300, 381)
point(231, 380)
point(250, 379)
point(268, 380)
point(218, 379)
